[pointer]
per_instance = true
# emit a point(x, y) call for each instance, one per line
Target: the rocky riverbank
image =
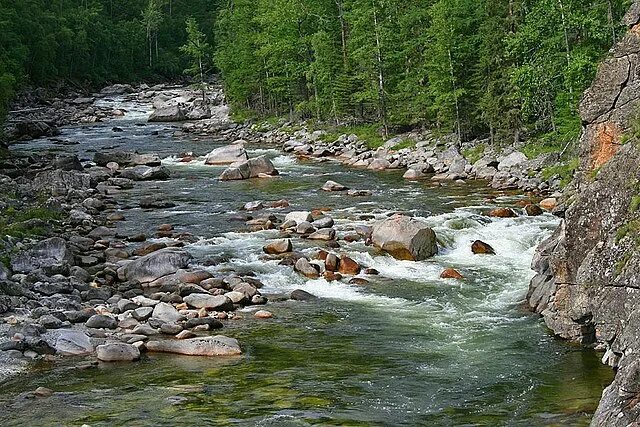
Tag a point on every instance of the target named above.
point(587, 287)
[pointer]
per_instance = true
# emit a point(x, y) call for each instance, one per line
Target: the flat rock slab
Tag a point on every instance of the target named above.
point(218, 345)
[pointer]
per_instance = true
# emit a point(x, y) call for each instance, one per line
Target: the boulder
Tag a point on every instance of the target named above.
point(164, 312)
point(502, 213)
point(155, 265)
point(203, 346)
point(252, 168)
point(325, 234)
point(300, 295)
point(208, 301)
point(549, 204)
point(69, 342)
point(279, 246)
point(101, 321)
point(533, 210)
point(171, 113)
point(333, 186)
point(298, 217)
point(146, 173)
point(304, 267)
point(50, 253)
point(263, 314)
point(480, 247)
point(34, 129)
point(451, 273)
point(59, 183)
point(116, 159)
point(117, 352)
point(348, 266)
point(413, 174)
point(405, 238)
point(227, 154)
point(514, 159)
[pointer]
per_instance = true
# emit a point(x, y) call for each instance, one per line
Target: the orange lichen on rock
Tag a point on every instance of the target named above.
point(635, 30)
point(606, 143)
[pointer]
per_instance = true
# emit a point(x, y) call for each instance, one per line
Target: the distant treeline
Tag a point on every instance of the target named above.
point(45, 41)
point(480, 68)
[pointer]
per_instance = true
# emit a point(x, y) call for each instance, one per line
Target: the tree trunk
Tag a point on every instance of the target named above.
point(381, 93)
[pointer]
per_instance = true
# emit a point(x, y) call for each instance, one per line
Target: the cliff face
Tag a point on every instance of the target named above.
point(588, 284)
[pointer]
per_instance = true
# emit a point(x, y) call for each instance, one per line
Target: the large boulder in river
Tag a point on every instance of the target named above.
point(69, 342)
point(145, 173)
point(50, 253)
point(405, 238)
point(126, 158)
point(171, 113)
point(117, 352)
point(252, 168)
point(228, 154)
point(155, 265)
point(218, 345)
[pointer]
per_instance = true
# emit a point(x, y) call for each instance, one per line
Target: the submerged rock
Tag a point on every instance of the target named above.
point(218, 345)
point(405, 238)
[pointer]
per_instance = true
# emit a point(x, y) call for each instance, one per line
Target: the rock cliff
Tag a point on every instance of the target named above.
point(587, 286)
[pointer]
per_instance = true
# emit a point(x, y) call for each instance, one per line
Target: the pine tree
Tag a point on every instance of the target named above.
point(198, 51)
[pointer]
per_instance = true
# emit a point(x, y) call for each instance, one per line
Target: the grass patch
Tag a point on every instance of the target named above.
point(406, 143)
point(34, 221)
point(621, 264)
point(474, 154)
point(564, 171)
point(632, 227)
point(534, 149)
point(635, 204)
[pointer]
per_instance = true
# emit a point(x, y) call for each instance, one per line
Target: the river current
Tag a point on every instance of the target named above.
point(407, 349)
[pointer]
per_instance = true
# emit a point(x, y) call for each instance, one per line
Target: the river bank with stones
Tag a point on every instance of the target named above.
point(188, 244)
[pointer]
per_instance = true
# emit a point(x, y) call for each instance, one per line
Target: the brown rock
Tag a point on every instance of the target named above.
point(330, 276)
point(348, 266)
point(503, 213)
point(358, 281)
point(277, 247)
point(263, 314)
point(451, 273)
point(146, 250)
point(332, 262)
point(533, 210)
point(480, 247)
point(549, 204)
point(165, 227)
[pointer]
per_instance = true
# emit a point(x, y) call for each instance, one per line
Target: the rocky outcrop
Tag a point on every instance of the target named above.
point(252, 168)
point(227, 154)
point(587, 286)
point(155, 265)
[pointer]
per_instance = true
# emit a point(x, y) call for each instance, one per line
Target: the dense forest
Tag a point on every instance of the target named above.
point(480, 68)
point(45, 42)
point(502, 69)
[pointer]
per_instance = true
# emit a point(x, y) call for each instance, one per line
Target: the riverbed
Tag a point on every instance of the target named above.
point(408, 348)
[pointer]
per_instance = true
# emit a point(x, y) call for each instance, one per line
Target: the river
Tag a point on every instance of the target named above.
point(407, 349)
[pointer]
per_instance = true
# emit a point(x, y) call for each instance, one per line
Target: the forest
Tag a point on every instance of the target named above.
point(506, 70)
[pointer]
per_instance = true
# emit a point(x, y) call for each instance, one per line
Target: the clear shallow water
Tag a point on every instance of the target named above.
point(407, 349)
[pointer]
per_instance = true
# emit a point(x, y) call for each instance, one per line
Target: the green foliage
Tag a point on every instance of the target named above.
point(474, 154)
point(406, 143)
point(503, 69)
point(564, 171)
point(199, 51)
point(94, 41)
point(31, 221)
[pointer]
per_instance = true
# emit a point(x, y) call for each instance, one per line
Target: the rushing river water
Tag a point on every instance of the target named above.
point(407, 349)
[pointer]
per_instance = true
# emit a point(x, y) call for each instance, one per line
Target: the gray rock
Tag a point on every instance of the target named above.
point(52, 253)
point(227, 154)
point(146, 173)
point(211, 302)
point(252, 168)
point(333, 186)
point(117, 352)
point(155, 265)
point(99, 321)
point(298, 217)
point(168, 114)
point(325, 234)
point(405, 238)
point(304, 267)
point(205, 346)
point(69, 342)
point(166, 313)
point(300, 295)
point(514, 159)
